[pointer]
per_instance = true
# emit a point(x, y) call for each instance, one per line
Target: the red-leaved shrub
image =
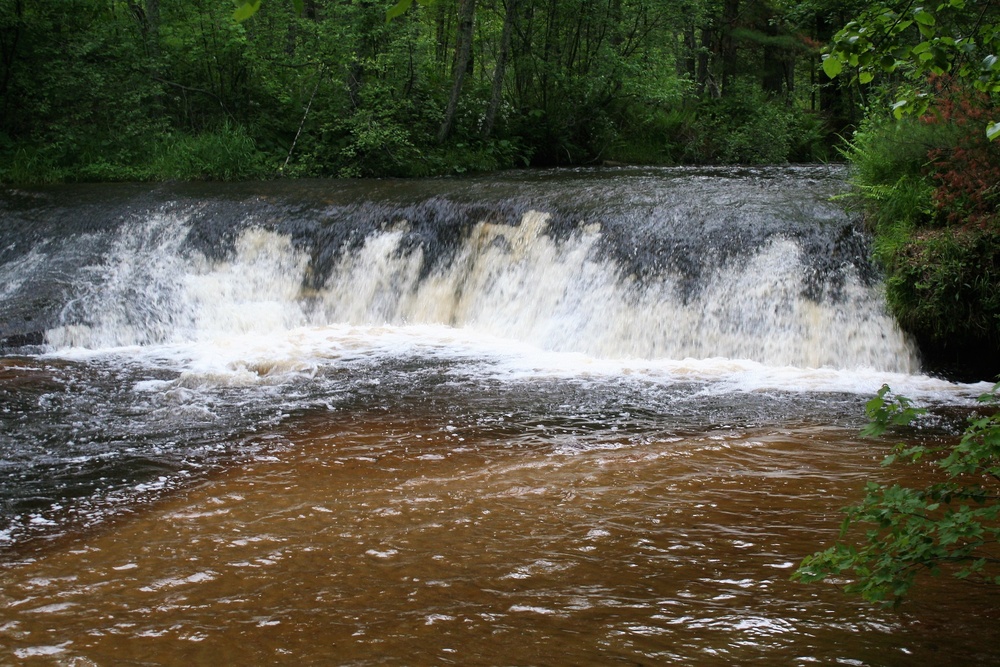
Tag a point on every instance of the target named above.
point(967, 173)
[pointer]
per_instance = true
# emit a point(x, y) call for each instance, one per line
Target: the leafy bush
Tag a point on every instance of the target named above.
point(28, 164)
point(944, 285)
point(649, 134)
point(949, 525)
point(929, 190)
point(226, 154)
point(748, 126)
point(967, 172)
point(811, 140)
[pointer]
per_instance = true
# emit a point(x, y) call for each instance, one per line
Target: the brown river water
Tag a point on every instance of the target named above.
point(589, 417)
point(387, 540)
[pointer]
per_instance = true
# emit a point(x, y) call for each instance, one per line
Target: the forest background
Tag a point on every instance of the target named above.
point(101, 90)
point(133, 90)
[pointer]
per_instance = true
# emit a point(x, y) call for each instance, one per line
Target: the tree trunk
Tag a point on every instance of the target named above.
point(706, 83)
point(773, 76)
point(727, 43)
point(10, 35)
point(153, 27)
point(778, 75)
point(688, 65)
point(496, 95)
point(463, 54)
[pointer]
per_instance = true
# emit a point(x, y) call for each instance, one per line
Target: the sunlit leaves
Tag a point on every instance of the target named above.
point(400, 8)
point(885, 410)
point(245, 10)
point(923, 17)
point(832, 65)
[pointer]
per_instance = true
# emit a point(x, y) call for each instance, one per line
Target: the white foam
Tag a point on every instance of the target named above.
point(38, 651)
point(513, 304)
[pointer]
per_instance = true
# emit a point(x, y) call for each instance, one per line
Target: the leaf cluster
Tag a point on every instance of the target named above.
point(917, 40)
point(898, 532)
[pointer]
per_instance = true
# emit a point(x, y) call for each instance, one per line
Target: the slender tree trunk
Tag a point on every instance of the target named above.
point(550, 52)
point(496, 95)
point(727, 43)
point(442, 29)
point(463, 54)
point(708, 47)
point(153, 25)
point(9, 38)
point(688, 65)
point(773, 75)
point(778, 75)
point(524, 64)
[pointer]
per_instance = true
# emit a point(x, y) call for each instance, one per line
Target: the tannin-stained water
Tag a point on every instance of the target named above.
point(411, 539)
point(538, 419)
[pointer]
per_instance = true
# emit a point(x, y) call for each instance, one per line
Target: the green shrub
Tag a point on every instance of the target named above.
point(28, 165)
point(811, 138)
point(926, 188)
point(952, 524)
point(226, 154)
point(649, 134)
point(889, 162)
point(944, 286)
point(473, 156)
point(747, 126)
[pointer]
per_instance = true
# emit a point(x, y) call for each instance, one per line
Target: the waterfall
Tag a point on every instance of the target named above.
point(654, 265)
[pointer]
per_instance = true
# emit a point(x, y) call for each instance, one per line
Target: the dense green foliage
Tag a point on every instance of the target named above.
point(927, 166)
point(930, 191)
point(920, 41)
point(152, 89)
point(952, 524)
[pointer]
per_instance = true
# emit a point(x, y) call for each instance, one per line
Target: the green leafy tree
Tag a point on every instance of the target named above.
point(898, 532)
point(146, 89)
point(916, 40)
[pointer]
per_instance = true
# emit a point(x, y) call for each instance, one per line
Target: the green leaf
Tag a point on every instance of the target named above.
point(397, 9)
point(246, 10)
point(993, 132)
point(832, 65)
point(923, 17)
point(865, 76)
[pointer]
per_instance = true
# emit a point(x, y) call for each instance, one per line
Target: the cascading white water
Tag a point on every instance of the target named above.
point(517, 282)
point(514, 282)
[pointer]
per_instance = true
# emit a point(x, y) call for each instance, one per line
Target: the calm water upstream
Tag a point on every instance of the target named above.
point(544, 418)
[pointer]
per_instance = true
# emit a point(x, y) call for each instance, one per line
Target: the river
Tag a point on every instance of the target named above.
point(539, 418)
